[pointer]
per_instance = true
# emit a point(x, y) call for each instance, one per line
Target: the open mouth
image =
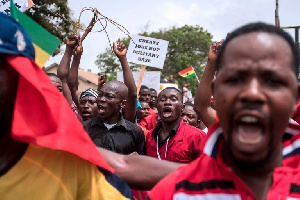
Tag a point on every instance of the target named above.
point(101, 107)
point(167, 112)
point(250, 129)
point(85, 112)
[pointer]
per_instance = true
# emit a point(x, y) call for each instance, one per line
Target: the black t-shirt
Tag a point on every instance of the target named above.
point(124, 137)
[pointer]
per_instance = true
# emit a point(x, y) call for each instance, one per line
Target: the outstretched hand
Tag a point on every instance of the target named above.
point(72, 40)
point(101, 79)
point(214, 50)
point(120, 50)
point(78, 50)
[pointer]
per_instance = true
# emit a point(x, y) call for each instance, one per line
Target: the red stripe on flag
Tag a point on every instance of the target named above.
point(185, 70)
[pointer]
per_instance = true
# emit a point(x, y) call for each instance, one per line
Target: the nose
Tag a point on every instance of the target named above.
point(252, 92)
point(167, 101)
point(184, 118)
point(85, 105)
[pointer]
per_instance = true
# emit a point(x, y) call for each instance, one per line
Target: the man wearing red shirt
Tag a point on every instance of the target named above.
point(250, 152)
point(172, 139)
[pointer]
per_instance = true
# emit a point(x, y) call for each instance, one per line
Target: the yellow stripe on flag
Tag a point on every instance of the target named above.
point(41, 56)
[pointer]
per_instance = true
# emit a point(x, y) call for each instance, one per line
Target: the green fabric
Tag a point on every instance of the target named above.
point(38, 35)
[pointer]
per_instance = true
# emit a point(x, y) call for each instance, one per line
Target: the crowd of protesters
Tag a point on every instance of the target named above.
point(237, 139)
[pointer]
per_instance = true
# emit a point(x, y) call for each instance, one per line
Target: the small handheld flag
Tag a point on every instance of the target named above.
point(187, 73)
point(44, 42)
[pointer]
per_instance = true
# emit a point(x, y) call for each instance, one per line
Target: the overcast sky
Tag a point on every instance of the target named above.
point(216, 16)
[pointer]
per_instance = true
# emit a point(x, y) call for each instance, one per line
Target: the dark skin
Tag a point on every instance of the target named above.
point(153, 100)
point(204, 91)
point(144, 95)
point(140, 172)
point(112, 97)
point(255, 83)
point(189, 116)
point(88, 107)
point(130, 110)
point(143, 112)
point(169, 109)
point(11, 149)
point(64, 67)
point(101, 81)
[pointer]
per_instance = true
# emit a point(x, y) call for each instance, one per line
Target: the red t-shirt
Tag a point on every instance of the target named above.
point(183, 146)
point(149, 122)
point(209, 177)
point(296, 114)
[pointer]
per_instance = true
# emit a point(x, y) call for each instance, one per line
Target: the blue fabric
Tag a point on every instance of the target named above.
point(138, 105)
point(118, 183)
point(14, 39)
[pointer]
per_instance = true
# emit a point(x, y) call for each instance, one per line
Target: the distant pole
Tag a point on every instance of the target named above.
point(297, 35)
point(276, 15)
point(196, 75)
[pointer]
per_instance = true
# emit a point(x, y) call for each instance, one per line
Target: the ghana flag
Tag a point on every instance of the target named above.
point(44, 42)
point(187, 73)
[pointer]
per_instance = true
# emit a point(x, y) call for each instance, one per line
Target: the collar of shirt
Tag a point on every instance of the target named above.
point(98, 122)
point(157, 129)
point(290, 151)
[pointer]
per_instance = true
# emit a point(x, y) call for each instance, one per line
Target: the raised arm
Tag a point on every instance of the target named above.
point(73, 75)
point(204, 91)
point(64, 66)
point(130, 109)
point(140, 172)
point(101, 81)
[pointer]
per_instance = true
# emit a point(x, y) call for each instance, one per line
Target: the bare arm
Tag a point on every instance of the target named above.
point(204, 91)
point(73, 75)
point(64, 66)
point(130, 109)
point(140, 172)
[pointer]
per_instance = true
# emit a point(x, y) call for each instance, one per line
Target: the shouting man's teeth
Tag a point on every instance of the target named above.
point(250, 131)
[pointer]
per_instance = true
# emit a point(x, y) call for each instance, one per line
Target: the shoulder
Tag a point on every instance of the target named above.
point(191, 130)
point(132, 126)
point(67, 168)
point(168, 186)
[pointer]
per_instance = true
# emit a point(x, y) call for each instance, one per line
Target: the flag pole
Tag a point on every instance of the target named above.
point(196, 75)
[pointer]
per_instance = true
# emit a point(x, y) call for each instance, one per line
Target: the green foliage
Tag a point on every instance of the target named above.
point(54, 15)
point(188, 46)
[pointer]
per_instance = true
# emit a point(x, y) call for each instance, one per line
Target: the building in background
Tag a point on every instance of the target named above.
point(86, 79)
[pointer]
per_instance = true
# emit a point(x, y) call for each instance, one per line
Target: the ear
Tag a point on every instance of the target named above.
point(298, 97)
point(182, 107)
point(123, 104)
point(213, 88)
point(198, 123)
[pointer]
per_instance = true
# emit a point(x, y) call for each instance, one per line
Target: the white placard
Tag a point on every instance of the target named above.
point(22, 5)
point(147, 51)
point(151, 78)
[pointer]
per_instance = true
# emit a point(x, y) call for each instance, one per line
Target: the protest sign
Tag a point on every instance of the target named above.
point(22, 5)
point(151, 78)
point(147, 51)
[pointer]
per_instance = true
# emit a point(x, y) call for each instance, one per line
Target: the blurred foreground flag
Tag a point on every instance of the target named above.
point(44, 42)
point(187, 73)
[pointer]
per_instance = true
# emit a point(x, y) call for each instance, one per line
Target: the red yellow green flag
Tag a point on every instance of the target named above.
point(187, 73)
point(44, 42)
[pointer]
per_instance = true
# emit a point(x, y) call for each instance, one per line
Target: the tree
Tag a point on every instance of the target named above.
point(188, 46)
point(54, 15)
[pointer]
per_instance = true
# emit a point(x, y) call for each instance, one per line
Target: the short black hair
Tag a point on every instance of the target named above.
point(143, 87)
point(152, 89)
point(172, 88)
point(190, 102)
point(261, 27)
